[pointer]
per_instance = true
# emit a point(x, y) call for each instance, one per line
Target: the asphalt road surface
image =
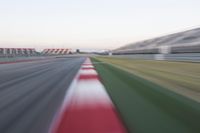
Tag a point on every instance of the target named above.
point(32, 92)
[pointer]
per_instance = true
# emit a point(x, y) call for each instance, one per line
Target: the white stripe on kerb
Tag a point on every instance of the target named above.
point(88, 72)
point(87, 66)
point(90, 92)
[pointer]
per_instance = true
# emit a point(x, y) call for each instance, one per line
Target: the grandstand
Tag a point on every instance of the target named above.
point(56, 51)
point(9, 52)
point(183, 42)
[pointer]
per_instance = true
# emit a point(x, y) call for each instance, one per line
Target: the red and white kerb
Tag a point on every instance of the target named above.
point(88, 108)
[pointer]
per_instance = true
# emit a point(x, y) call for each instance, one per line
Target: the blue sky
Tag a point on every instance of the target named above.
point(94, 24)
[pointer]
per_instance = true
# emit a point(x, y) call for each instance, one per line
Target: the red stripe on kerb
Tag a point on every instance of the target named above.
point(88, 77)
point(101, 119)
point(87, 68)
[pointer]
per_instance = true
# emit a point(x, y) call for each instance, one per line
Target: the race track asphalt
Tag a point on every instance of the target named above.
point(32, 92)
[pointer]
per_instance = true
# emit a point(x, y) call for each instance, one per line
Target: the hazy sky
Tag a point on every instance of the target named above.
point(92, 24)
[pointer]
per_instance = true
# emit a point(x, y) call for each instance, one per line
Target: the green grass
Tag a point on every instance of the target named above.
point(181, 77)
point(146, 107)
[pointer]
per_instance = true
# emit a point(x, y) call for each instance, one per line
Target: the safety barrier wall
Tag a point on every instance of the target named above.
point(56, 51)
point(17, 52)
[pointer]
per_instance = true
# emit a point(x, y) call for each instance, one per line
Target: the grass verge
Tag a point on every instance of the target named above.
point(146, 107)
point(181, 77)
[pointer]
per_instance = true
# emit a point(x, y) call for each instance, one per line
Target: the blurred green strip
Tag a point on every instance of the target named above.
point(180, 77)
point(146, 107)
